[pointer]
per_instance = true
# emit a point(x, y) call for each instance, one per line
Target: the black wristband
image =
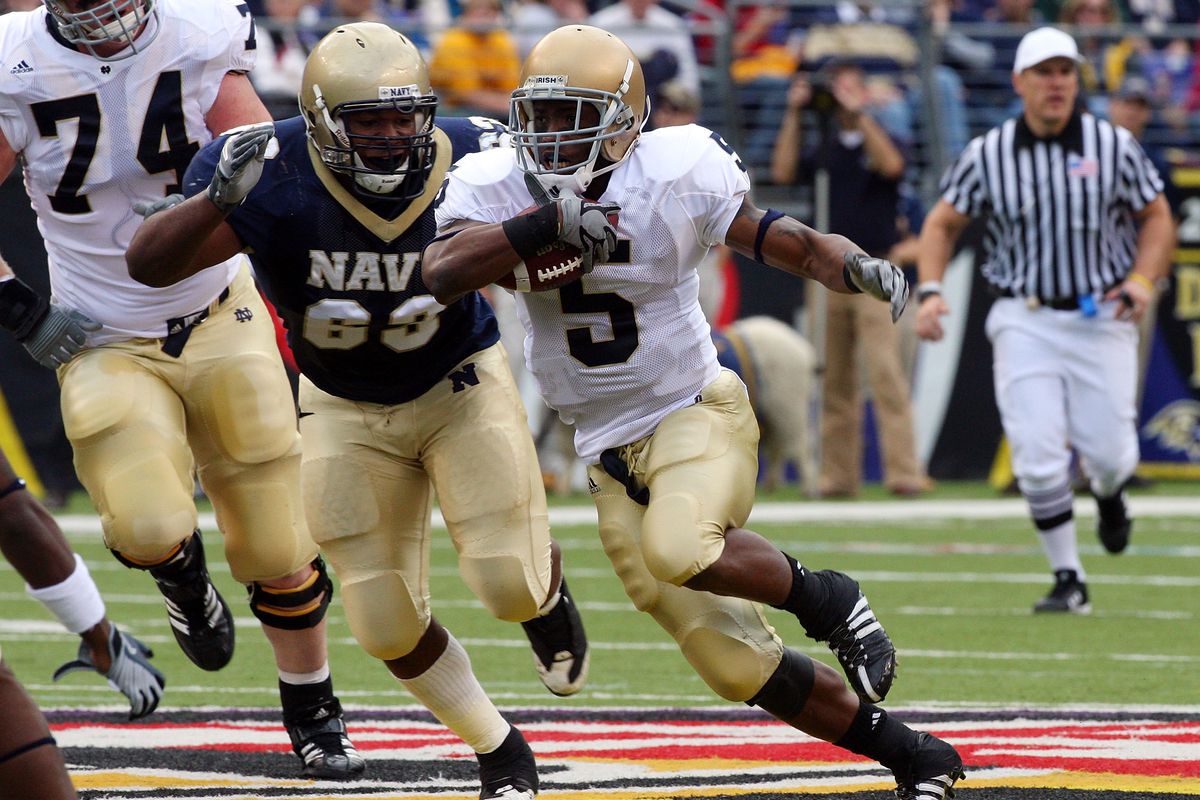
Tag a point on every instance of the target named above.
point(850, 284)
point(529, 233)
point(21, 308)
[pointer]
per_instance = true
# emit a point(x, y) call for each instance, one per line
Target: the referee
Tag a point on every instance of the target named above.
point(1078, 234)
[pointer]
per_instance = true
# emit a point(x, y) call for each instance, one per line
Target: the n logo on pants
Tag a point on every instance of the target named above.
point(464, 377)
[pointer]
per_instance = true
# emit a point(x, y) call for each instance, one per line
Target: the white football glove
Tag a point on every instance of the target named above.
point(131, 672)
point(147, 209)
point(61, 334)
point(241, 164)
point(585, 224)
point(879, 278)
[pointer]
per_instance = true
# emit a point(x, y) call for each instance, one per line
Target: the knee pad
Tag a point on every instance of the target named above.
point(500, 583)
point(251, 409)
point(383, 614)
point(622, 551)
point(786, 692)
point(295, 609)
point(131, 453)
point(262, 517)
point(734, 667)
point(145, 509)
point(673, 538)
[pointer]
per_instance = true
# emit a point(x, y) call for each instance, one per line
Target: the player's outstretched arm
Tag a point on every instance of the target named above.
point(178, 241)
point(834, 261)
point(195, 238)
point(475, 255)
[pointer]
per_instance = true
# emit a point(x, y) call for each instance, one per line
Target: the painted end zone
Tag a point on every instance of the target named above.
point(627, 754)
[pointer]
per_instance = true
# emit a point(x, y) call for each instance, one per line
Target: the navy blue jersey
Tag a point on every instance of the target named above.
point(346, 280)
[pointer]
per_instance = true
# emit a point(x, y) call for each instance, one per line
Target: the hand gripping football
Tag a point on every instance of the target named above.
point(549, 268)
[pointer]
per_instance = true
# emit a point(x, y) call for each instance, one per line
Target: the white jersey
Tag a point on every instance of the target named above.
point(96, 136)
point(626, 345)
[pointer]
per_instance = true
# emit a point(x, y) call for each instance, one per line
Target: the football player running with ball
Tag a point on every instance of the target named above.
point(105, 105)
point(400, 395)
point(669, 437)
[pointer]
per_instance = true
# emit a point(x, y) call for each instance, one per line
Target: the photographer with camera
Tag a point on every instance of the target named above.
point(866, 165)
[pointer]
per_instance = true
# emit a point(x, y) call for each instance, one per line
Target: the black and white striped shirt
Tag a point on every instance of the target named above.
point(1059, 210)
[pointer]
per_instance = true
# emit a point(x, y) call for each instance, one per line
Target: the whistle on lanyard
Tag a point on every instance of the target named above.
point(1087, 305)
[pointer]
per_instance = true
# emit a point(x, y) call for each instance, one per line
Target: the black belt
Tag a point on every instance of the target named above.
point(612, 463)
point(179, 329)
point(1056, 303)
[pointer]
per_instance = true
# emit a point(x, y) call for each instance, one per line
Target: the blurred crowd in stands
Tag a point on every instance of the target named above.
point(938, 71)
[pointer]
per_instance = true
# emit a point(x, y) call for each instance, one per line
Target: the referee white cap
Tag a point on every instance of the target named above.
point(1044, 44)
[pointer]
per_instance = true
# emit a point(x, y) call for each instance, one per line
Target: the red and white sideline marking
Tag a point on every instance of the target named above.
point(603, 755)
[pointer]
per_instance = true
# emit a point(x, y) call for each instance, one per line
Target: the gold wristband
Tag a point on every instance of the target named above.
point(1138, 277)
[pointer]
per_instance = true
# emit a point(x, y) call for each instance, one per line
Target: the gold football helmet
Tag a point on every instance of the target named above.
point(369, 67)
point(593, 69)
point(113, 22)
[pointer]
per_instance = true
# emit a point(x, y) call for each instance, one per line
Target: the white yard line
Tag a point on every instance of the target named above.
point(816, 511)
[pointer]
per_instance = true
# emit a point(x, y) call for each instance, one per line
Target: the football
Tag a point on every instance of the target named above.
point(552, 266)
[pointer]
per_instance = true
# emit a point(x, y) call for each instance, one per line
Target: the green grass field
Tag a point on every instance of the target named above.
point(954, 593)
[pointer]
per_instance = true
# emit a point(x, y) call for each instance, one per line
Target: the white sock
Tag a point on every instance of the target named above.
point(549, 605)
point(1061, 548)
point(305, 678)
point(75, 601)
point(450, 690)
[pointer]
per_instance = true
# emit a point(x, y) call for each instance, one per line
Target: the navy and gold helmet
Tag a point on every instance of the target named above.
point(368, 66)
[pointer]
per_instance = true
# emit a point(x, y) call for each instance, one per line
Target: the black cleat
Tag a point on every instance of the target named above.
point(932, 773)
point(199, 617)
point(509, 772)
point(860, 643)
point(1114, 524)
point(560, 646)
point(318, 735)
point(1069, 595)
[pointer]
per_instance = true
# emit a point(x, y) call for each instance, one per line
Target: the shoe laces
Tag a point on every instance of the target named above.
point(197, 603)
point(846, 644)
point(319, 731)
